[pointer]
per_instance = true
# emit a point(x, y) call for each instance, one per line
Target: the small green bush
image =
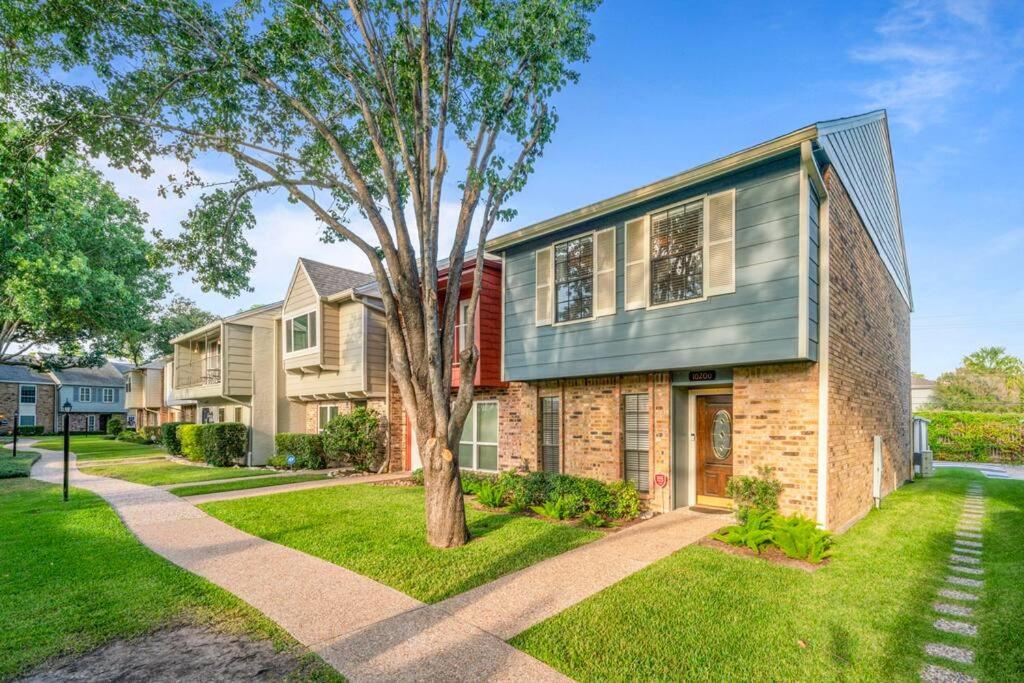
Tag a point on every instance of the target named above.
point(169, 437)
point(417, 477)
point(152, 433)
point(471, 481)
point(800, 538)
point(760, 493)
point(490, 494)
point(129, 435)
point(559, 507)
point(626, 500)
point(593, 520)
point(308, 450)
point(188, 437)
point(114, 426)
point(356, 438)
point(224, 443)
point(34, 430)
point(755, 532)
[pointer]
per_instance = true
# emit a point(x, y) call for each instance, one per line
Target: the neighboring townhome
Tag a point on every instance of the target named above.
point(95, 394)
point(334, 345)
point(229, 368)
point(922, 393)
point(751, 311)
point(149, 399)
point(27, 396)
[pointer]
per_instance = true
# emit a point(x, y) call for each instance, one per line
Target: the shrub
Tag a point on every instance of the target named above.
point(626, 499)
point(559, 507)
point(471, 481)
point(963, 436)
point(34, 430)
point(114, 426)
point(800, 538)
point(417, 477)
point(169, 437)
point(152, 433)
point(490, 494)
point(760, 493)
point(594, 520)
point(755, 532)
point(188, 437)
point(308, 450)
point(357, 438)
point(224, 443)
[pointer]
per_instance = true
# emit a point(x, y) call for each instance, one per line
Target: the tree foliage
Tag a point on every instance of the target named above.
point(988, 380)
point(357, 110)
point(77, 276)
point(176, 318)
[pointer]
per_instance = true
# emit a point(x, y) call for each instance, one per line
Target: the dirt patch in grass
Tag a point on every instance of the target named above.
point(183, 653)
point(769, 554)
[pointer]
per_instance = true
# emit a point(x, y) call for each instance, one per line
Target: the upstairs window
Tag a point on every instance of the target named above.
point(85, 394)
point(108, 395)
point(574, 279)
point(128, 384)
point(300, 332)
point(677, 254)
point(28, 393)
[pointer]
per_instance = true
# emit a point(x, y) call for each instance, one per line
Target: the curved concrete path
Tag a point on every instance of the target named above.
point(369, 631)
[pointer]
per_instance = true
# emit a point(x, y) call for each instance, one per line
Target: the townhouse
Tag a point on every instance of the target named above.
point(27, 398)
point(750, 311)
point(95, 395)
point(149, 396)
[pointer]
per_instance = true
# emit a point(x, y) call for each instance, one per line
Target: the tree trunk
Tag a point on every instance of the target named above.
point(446, 512)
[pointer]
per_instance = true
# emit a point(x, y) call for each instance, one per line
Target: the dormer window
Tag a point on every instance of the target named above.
point(300, 332)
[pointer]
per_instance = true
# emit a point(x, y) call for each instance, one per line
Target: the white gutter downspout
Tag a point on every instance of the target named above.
point(811, 170)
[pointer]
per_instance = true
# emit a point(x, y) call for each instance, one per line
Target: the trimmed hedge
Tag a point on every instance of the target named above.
point(224, 443)
point(34, 430)
point(356, 437)
point(114, 426)
point(308, 450)
point(188, 437)
point(152, 433)
point(962, 436)
point(169, 437)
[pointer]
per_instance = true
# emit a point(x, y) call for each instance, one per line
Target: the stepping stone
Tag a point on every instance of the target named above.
point(951, 594)
point(952, 610)
point(964, 581)
point(966, 570)
point(932, 673)
point(971, 528)
point(967, 534)
point(963, 549)
point(959, 627)
point(950, 652)
point(964, 559)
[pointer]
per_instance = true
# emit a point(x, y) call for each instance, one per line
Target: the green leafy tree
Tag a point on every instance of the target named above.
point(178, 317)
point(988, 380)
point(354, 109)
point(77, 275)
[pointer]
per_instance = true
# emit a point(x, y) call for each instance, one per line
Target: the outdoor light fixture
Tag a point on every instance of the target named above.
point(66, 409)
point(14, 447)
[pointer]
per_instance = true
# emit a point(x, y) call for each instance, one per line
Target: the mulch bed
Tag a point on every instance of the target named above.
point(769, 554)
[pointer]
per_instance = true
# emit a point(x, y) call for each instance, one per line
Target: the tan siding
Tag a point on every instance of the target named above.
point(349, 376)
point(238, 361)
point(330, 337)
point(301, 294)
point(154, 388)
point(376, 352)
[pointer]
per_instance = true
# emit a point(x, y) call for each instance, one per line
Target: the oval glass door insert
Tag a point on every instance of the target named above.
point(721, 434)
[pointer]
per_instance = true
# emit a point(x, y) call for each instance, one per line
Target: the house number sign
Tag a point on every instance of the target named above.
point(702, 375)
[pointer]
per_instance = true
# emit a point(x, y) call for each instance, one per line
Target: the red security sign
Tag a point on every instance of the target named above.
point(660, 480)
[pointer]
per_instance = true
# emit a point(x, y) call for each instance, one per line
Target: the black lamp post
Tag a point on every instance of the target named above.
point(66, 409)
point(15, 446)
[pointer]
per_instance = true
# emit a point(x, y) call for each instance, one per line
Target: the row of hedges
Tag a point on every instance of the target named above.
point(34, 430)
point(962, 436)
point(355, 438)
point(220, 444)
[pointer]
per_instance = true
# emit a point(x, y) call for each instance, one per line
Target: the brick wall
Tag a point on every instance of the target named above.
point(869, 366)
point(10, 397)
point(775, 424)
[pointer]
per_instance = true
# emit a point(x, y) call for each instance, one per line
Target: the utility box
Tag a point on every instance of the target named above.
point(922, 451)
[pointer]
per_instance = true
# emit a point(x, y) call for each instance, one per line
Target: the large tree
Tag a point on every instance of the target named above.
point(358, 109)
point(76, 272)
point(988, 380)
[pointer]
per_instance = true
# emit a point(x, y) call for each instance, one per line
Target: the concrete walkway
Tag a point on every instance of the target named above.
point(369, 631)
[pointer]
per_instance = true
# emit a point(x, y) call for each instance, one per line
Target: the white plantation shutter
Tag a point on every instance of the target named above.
point(721, 266)
point(542, 311)
point(604, 258)
point(636, 264)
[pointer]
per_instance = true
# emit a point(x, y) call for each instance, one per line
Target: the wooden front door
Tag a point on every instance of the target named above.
point(714, 449)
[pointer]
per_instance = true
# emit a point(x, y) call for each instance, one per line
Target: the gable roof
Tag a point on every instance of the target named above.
point(104, 376)
point(23, 374)
point(328, 279)
point(858, 148)
point(921, 383)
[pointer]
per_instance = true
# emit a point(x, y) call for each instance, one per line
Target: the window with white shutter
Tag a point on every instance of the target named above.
point(636, 264)
point(542, 311)
point(721, 267)
point(574, 279)
point(604, 300)
point(677, 254)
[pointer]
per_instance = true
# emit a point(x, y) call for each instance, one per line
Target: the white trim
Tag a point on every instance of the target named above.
point(103, 395)
point(477, 443)
point(85, 400)
point(613, 270)
point(315, 308)
point(709, 291)
point(592, 234)
point(691, 438)
point(823, 360)
point(804, 264)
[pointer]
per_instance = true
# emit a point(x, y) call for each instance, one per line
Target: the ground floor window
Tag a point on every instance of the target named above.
point(550, 434)
point(327, 413)
point(90, 423)
point(220, 415)
point(26, 420)
point(637, 439)
point(238, 414)
point(478, 447)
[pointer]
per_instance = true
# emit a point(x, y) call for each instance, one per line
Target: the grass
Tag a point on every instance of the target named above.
point(74, 578)
point(380, 532)
point(16, 467)
point(90, 447)
point(162, 472)
point(199, 489)
point(701, 614)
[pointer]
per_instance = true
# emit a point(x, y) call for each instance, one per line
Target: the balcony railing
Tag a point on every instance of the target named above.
point(198, 373)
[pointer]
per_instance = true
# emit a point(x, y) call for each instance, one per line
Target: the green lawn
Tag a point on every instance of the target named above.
point(73, 578)
point(163, 472)
point(380, 532)
point(16, 467)
point(198, 489)
point(88, 447)
point(701, 614)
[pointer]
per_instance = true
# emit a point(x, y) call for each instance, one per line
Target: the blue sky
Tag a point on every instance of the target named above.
point(671, 85)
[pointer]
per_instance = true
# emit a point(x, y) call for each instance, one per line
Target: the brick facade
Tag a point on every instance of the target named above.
point(869, 366)
point(10, 396)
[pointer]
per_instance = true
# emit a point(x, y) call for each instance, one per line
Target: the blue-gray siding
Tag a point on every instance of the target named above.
point(757, 323)
point(96, 405)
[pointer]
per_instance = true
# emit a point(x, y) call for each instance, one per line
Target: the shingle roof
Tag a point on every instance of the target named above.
point(122, 367)
point(17, 372)
point(328, 279)
point(921, 383)
point(103, 376)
